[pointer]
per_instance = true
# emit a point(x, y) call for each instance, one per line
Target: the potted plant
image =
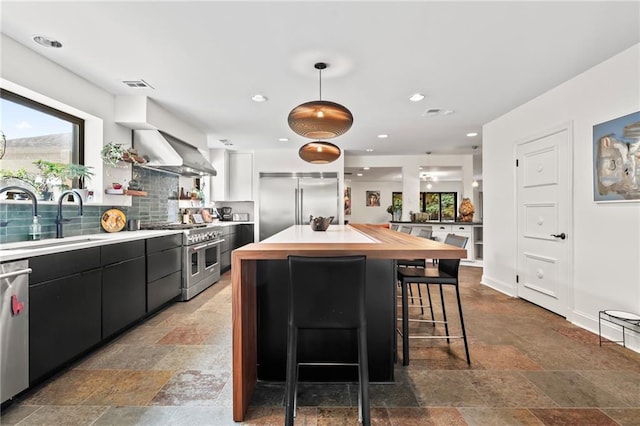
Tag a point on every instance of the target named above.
point(395, 209)
point(83, 174)
point(114, 153)
point(35, 181)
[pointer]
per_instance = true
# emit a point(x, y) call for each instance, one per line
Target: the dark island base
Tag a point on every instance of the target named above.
point(326, 345)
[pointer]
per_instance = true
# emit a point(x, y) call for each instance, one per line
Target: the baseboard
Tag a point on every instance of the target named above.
point(505, 288)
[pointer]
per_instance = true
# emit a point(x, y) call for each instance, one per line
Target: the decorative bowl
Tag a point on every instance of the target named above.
point(320, 223)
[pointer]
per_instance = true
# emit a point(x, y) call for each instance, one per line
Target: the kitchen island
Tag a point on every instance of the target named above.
point(248, 273)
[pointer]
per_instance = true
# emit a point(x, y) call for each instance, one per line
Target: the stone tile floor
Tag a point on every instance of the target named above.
point(529, 367)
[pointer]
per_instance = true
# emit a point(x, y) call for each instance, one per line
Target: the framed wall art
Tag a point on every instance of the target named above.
point(347, 200)
point(616, 159)
point(373, 199)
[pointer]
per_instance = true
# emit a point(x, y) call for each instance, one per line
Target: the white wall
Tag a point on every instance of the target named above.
point(361, 213)
point(410, 165)
point(605, 237)
point(27, 73)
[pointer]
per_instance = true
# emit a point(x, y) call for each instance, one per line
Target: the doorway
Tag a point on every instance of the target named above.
point(544, 205)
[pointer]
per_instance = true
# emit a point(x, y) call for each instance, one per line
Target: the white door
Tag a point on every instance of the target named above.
point(544, 205)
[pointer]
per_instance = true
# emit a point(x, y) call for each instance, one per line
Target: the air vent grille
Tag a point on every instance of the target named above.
point(226, 142)
point(433, 112)
point(138, 84)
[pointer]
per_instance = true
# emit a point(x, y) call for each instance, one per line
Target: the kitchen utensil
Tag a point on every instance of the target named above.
point(133, 225)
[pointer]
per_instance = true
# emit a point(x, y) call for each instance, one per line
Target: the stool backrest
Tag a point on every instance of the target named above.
point(451, 266)
point(327, 292)
point(425, 233)
point(405, 229)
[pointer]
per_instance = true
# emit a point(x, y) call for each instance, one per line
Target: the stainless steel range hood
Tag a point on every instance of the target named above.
point(166, 153)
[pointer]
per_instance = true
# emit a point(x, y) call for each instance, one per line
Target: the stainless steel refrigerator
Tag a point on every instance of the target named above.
point(291, 198)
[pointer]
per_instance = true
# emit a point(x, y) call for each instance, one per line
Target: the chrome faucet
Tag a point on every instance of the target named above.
point(59, 219)
point(32, 196)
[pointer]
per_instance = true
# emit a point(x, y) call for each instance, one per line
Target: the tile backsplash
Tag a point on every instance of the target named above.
point(160, 205)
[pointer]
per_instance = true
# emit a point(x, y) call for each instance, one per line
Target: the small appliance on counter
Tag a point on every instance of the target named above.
point(225, 213)
point(240, 217)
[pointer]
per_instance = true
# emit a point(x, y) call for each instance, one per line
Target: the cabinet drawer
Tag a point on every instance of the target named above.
point(114, 253)
point(163, 263)
point(461, 228)
point(163, 243)
point(56, 265)
point(163, 290)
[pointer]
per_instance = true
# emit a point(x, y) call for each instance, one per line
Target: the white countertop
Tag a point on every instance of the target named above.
point(26, 249)
point(334, 234)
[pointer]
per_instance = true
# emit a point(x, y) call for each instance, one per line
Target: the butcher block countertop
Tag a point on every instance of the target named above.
point(375, 242)
point(342, 240)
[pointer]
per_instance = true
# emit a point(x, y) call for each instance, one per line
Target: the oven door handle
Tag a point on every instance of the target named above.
point(196, 248)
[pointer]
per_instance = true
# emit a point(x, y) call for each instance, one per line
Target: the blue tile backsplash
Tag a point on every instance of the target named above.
point(160, 205)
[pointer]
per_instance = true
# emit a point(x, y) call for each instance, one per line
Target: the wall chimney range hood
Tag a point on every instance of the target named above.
point(166, 153)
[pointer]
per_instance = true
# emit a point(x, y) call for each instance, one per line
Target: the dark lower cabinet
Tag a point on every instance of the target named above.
point(79, 298)
point(235, 236)
point(64, 320)
point(123, 285)
point(123, 295)
point(164, 270)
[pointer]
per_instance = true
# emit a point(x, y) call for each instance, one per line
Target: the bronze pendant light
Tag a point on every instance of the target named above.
point(320, 119)
point(319, 152)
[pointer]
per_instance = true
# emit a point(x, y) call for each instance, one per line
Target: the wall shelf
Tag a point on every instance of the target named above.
point(126, 192)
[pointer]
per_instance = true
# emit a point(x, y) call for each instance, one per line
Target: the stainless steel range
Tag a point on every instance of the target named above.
point(200, 256)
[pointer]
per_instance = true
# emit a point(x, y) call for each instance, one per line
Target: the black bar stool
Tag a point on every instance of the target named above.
point(327, 293)
point(446, 274)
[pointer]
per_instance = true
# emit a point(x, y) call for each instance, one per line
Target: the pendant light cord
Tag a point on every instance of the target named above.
point(320, 72)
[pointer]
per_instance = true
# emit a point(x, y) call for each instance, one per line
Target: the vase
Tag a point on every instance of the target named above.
point(397, 215)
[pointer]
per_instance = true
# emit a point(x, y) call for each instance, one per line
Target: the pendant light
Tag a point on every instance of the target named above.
point(319, 152)
point(320, 119)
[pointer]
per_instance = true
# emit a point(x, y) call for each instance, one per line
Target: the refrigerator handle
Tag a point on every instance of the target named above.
point(301, 206)
point(297, 213)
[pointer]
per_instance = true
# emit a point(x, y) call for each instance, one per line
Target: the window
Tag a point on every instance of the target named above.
point(35, 131)
point(440, 206)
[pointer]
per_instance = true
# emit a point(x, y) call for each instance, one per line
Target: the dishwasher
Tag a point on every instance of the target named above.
point(14, 328)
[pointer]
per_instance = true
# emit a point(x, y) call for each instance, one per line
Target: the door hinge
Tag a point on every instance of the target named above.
point(516, 162)
point(517, 278)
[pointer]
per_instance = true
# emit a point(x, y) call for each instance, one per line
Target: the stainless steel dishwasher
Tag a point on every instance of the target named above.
point(14, 328)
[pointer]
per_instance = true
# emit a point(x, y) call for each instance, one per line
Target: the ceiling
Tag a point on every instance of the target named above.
point(206, 59)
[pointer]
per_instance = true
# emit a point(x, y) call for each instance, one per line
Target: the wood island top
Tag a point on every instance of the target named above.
point(373, 241)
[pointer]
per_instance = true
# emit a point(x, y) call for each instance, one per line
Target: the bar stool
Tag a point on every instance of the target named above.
point(418, 263)
point(327, 293)
point(405, 229)
point(446, 274)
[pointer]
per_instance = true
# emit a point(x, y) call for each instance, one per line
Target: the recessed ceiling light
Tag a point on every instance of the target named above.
point(416, 97)
point(472, 134)
point(47, 42)
point(383, 136)
point(366, 168)
point(284, 139)
point(369, 149)
point(358, 174)
point(259, 98)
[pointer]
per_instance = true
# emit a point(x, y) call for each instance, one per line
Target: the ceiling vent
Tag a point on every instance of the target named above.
point(433, 112)
point(226, 142)
point(138, 84)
